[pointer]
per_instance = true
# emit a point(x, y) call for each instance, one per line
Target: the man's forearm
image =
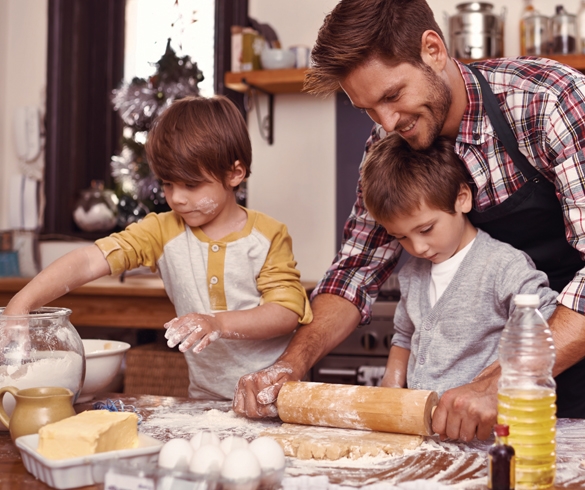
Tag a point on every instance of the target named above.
point(334, 318)
point(568, 329)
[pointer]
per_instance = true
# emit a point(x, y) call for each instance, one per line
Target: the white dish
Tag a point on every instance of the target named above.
point(77, 472)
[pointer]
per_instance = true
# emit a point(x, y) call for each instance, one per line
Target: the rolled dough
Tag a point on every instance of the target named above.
point(309, 442)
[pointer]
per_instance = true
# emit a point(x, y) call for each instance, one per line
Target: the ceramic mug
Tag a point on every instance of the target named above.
point(35, 407)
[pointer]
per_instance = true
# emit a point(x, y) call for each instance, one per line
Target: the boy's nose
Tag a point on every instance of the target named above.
point(420, 248)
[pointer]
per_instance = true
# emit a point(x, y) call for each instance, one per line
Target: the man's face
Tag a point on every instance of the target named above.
point(404, 98)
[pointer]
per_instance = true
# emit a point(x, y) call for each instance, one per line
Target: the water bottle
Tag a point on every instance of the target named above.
point(526, 393)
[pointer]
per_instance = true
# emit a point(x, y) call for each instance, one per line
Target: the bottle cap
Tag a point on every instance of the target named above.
point(527, 300)
point(502, 430)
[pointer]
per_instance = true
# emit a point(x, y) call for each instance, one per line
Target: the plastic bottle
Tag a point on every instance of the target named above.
point(526, 393)
point(527, 10)
point(501, 469)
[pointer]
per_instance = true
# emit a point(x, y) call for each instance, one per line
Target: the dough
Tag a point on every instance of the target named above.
point(308, 442)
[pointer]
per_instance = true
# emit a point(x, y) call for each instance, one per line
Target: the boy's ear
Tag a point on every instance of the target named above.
point(237, 174)
point(464, 199)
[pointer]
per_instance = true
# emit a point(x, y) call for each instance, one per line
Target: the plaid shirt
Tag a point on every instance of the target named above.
point(544, 103)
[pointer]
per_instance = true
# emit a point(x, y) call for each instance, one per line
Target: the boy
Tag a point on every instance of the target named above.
point(458, 286)
point(228, 270)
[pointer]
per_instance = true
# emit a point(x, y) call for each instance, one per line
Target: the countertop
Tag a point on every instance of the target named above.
point(454, 465)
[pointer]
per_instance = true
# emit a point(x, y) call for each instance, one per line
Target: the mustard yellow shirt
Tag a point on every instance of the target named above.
point(241, 271)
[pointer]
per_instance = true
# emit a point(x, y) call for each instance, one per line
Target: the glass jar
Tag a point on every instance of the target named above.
point(564, 32)
point(96, 209)
point(40, 349)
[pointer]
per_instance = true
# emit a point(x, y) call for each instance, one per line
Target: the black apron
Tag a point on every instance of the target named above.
point(532, 220)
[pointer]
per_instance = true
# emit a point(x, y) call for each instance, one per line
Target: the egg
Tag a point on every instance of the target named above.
point(204, 437)
point(241, 470)
point(233, 442)
point(175, 454)
point(206, 460)
point(269, 453)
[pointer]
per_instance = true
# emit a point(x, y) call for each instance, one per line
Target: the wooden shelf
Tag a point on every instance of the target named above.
point(291, 80)
point(271, 81)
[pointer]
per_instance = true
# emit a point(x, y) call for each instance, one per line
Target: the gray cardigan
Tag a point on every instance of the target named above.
point(456, 339)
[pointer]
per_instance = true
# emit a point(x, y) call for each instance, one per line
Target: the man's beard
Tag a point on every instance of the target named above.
point(437, 108)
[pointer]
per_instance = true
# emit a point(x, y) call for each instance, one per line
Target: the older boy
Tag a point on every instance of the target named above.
point(458, 287)
point(228, 270)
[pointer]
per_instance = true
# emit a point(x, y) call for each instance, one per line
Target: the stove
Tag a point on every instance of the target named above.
point(361, 357)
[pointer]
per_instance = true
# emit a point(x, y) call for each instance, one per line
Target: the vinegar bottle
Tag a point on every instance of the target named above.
point(501, 464)
point(526, 393)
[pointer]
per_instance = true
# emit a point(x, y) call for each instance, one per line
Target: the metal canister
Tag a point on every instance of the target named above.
point(476, 32)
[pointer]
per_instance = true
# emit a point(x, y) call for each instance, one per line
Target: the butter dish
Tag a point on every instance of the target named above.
point(78, 472)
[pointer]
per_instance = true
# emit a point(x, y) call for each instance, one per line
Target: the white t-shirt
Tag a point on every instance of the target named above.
point(441, 274)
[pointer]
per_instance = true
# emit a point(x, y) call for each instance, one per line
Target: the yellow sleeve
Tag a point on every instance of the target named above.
point(140, 244)
point(279, 280)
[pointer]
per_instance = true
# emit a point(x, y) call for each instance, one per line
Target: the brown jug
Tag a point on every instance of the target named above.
point(35, 407)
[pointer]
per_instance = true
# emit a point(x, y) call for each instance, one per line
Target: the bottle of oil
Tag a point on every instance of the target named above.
point(501, 464)
point(526, 393)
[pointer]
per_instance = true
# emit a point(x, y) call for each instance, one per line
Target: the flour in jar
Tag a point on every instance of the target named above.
point(50, 368)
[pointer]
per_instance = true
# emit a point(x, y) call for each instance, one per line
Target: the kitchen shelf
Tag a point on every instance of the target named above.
point(269, 81)
point(576, 61)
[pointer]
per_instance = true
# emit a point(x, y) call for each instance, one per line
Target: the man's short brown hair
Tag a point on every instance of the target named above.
point(197, 138)
point(396, 179)
point(358, 30)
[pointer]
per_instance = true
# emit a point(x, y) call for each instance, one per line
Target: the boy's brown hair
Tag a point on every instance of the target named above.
point(356, 31)
point(197, 138)
point(396, 179)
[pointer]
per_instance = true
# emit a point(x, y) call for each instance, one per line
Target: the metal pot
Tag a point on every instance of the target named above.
point(476, 32)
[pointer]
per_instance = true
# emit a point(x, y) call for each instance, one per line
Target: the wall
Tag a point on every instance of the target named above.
point(23, 67)
point(294, 179)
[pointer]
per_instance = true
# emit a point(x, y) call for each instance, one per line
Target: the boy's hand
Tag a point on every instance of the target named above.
point(190, 329)
point(256, 393)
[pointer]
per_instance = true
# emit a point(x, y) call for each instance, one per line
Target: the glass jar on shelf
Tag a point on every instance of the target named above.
point(96, 209)
point(564, 32)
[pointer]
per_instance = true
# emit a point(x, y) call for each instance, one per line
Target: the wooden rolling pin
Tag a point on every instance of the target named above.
point(357, 407)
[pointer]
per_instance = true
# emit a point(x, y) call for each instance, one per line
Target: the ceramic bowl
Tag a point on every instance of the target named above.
point(276, 59)
point(103, 359)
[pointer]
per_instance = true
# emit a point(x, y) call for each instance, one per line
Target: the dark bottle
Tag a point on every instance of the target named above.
point(501, 470)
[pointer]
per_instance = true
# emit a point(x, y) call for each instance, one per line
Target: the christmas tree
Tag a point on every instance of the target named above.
point(139, 103)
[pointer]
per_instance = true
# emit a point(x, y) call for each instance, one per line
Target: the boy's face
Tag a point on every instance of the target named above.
point(206, 202)
point(433, 234)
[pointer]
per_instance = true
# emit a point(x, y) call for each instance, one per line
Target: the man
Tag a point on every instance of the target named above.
point(389, 56)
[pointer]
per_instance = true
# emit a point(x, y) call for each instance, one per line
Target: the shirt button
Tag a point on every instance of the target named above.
point(421, 360)
point(476, 136)
point(215, 247)
point(427, 326)
point(213, 280)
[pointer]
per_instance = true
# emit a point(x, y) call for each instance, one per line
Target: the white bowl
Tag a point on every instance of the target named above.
point(276, 59)
point(103, 359)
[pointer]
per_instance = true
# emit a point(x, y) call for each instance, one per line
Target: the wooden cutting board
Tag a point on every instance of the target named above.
point(309, 442)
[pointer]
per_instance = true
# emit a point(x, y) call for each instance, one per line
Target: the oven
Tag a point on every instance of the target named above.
point(361, 358)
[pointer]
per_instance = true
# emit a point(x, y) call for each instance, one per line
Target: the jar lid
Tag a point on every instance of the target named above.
point(502, 430)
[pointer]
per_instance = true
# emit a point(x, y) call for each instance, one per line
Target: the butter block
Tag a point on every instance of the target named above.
point(90, 432)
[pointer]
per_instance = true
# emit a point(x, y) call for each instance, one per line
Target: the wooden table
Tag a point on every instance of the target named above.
point(453, 465)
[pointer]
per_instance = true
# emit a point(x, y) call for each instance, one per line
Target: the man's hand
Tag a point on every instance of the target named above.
point(469, 410)
point(256, 393)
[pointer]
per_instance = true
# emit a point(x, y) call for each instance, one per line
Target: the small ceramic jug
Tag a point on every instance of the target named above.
point(35, 407)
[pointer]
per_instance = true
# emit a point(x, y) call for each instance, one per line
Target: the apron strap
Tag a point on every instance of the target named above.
point(502, 128)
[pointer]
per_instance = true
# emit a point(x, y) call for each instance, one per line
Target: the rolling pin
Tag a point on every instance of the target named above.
point(396, 410)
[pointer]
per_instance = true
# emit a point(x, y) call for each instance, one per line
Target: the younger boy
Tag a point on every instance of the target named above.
point(457, 289)
point(228, 270)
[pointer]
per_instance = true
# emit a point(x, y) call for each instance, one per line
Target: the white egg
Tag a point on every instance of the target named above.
point(269, 453)
point(207, 459)
point(233, 442)
point(241, 465)
point(204, 437)
point(175, 454)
